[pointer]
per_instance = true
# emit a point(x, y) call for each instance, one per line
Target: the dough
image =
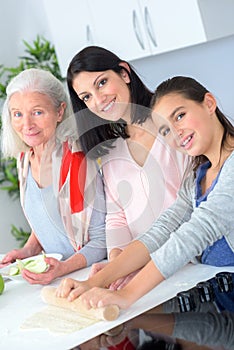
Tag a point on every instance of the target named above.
point(58, 320)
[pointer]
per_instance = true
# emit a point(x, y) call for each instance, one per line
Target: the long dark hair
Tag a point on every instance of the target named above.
point(192, 90)
point(97, 135)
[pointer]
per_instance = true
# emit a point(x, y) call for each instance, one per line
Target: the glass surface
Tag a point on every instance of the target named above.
point(189, 321)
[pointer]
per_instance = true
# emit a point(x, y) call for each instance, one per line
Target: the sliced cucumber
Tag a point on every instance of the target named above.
point(35, 265)
point(14, 270)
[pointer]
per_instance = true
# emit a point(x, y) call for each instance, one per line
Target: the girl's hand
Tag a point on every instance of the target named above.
point(99, 297)
point(55, 270)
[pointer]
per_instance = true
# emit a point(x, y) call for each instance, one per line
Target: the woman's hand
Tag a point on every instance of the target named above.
point(12, 256)
point(97, 267)
point(32, 247)
point(55, 270)
point(118, 284)
point(121, 282)
point(72, 289)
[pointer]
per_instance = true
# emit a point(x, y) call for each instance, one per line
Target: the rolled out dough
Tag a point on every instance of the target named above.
point(57, 320)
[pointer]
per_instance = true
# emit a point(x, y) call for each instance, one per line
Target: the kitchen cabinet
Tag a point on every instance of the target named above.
point(120, 27)
point(71, 26)
point(135, 29)
point(172, 24)
point(138, 28)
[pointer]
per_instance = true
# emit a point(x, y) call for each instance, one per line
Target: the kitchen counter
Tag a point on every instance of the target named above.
point(20, 300)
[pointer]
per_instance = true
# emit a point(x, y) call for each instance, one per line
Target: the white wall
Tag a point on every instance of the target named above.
point(11, 213)
point(20, 20)
point(210, 63)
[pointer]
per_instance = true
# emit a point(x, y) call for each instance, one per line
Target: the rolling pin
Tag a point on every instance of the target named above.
point(106, 313)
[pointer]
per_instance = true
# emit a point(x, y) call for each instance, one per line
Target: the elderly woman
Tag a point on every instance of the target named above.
point(61, 191)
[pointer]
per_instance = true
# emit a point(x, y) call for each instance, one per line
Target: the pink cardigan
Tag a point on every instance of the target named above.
point(135, 195)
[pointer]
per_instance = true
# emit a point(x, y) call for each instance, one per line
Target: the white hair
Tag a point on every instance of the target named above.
point(34, 80)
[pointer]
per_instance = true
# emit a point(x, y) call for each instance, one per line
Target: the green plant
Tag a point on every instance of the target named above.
point(9, 178)
point(40, 54)
point(20, 235)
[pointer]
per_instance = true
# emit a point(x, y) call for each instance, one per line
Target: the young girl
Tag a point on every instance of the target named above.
point(141, 172)
point(200, 224)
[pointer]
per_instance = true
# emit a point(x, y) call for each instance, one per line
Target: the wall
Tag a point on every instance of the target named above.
point(19, 20)
point(210, 63)
point(11, 213)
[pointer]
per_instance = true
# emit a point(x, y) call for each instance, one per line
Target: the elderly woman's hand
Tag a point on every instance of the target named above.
point(12, 256)
point(54, 270)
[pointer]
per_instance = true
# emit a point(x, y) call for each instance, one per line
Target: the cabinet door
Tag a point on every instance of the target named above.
point(71, 28)
point(172, 24)
point(120, 28)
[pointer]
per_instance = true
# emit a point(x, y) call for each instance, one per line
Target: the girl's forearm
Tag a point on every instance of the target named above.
point(132, 258)
point(148, 278)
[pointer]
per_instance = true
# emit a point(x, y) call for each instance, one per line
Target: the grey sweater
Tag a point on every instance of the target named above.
point(183, 231)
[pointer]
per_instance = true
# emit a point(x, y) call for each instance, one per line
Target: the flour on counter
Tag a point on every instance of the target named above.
point(57, 320)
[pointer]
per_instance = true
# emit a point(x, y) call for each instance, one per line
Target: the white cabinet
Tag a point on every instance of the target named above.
point(71, 27)
point(172, 24)
point(120, 27)
point(137, 28)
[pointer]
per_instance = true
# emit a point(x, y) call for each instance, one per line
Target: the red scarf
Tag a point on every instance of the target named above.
point(76, 163)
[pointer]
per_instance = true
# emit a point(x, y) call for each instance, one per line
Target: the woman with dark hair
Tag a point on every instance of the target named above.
point(93, 130)
point(141, 173)
point(199, 226)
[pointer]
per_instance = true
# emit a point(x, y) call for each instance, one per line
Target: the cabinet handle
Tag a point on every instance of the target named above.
point(136, 30)
point(149, 27)
point(89, 37)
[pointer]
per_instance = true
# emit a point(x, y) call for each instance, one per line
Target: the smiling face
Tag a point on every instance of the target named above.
point(194, 125)
point(105, 93)
point(34, 117)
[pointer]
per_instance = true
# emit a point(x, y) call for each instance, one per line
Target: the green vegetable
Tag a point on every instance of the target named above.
point(37, 265)
point(14, 270)
point(2, 285)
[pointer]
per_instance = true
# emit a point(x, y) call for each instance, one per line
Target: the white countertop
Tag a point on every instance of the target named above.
point(20, 300)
